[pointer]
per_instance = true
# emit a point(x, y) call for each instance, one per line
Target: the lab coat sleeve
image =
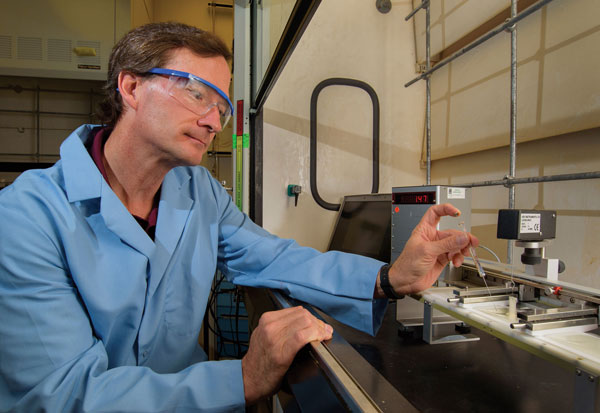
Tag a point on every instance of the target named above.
point(340, 284)
point(50, 359)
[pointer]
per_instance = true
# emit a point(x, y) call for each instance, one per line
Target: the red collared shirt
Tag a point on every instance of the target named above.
point(97, 150)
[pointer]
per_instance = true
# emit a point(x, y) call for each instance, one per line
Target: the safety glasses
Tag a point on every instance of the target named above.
point(196, 94)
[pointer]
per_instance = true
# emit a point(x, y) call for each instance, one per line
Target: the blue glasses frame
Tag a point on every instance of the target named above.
point(186, 75)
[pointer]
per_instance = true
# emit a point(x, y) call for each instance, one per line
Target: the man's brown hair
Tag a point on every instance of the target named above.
point(149, 46)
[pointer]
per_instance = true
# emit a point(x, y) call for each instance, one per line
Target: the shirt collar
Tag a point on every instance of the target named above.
point(97, 153)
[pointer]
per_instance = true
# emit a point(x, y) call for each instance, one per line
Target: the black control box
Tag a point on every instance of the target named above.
point(526, 224)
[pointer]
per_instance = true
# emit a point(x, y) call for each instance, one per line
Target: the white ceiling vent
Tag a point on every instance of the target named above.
point(60, 38)
point(5, 47)
point(29, 48)
point(59, 50)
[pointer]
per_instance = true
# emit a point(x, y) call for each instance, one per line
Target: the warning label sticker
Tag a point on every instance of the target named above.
point(92, 67)
point(456, 193)
point(530, 223)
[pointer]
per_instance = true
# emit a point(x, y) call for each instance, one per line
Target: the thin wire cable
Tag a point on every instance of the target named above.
point(237, 323)
point(491, 252)
point(234, 339)
point(512, 267)
point(475, 258)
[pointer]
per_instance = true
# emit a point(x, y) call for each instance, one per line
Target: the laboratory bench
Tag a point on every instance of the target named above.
point(397, 371)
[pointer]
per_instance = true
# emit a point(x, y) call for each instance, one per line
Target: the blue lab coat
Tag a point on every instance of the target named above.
point(95, 316)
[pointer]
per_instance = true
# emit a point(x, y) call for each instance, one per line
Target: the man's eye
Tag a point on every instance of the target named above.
point(196, 94)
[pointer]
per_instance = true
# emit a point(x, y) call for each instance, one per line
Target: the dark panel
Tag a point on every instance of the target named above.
point(23, 166)
point(489, 375)
point(256, 167)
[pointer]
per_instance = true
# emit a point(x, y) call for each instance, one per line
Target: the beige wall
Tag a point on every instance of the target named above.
point(576, 202)
point(346, 38)
point(141, 12)
point(559, 106)
point(558, 101)
point(558, 68)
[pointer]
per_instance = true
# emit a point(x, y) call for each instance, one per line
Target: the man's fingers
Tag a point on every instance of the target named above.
point(303, 327)
point(273, 345)
point(287, 322)
point(432, 215)
point(314, 332)
point(458, 260)
point(450, 244)
point(273, 316)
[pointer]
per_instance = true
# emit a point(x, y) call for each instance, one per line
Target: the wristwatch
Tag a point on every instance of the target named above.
point(384, 282)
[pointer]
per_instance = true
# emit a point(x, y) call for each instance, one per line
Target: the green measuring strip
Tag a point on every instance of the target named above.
point(238, 171)
point(239, 142)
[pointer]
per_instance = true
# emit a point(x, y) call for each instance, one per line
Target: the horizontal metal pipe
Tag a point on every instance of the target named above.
point(20, 89)
point(481, 39)
point(45, 113)
point(535, 179)
point(412, 13)
point(218, 153)
point(227, 6)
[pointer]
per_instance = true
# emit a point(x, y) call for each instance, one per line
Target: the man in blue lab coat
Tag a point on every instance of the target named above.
point(107, 258)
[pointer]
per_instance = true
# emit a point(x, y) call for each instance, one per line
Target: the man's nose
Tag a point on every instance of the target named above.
point(212, 119)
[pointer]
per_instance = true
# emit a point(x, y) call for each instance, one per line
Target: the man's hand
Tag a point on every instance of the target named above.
point(427, 252)
point(273, 345)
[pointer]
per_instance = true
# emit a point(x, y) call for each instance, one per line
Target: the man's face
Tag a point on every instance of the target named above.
point(175, 133)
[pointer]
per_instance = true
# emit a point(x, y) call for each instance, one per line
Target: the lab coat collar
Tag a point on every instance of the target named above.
point(82, 178)
point(83, 181)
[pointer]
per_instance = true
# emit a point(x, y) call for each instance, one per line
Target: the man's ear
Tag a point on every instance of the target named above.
point(128, 83)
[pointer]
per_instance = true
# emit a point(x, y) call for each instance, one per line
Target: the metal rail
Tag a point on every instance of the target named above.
point(571, 290)
point(19, 89)
point(510, 25)
point(41, 112)
point(428, 87)
point(513, 118)
point(482, 39)
point(507, 181)
point(348, 389)
point(510, 180)
point(424, 3)
point(225, 6)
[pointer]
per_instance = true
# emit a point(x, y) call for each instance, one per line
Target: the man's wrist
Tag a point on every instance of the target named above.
point(386, 286)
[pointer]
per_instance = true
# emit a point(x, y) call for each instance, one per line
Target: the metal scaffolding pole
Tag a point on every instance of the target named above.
point(535, 179)
point(513, 117)
point(510, 25)
point(424, 3)
point(428, 87)
point(509, 181)
point(481, 40)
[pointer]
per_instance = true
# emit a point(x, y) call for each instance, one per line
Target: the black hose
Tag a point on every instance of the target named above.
point(313, 135)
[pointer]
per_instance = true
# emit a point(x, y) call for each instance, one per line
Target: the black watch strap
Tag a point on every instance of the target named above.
point(384, 282)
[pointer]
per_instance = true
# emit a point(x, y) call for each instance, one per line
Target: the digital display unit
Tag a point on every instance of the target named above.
point(364, 226)
point(414, 198)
